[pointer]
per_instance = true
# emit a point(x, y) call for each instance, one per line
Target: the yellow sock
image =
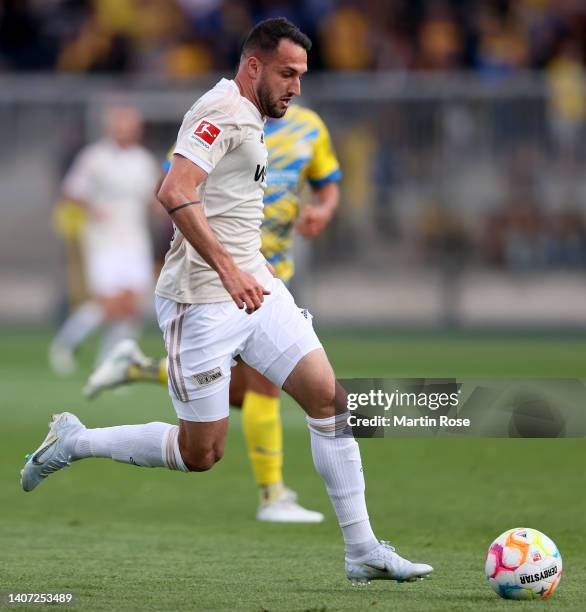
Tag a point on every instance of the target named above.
point(261, 421)
point(155, 370)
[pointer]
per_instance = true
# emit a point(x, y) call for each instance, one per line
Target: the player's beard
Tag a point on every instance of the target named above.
point(267, 103)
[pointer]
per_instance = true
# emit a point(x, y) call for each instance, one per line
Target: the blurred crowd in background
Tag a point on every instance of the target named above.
point(178, 38)
point(473, 157)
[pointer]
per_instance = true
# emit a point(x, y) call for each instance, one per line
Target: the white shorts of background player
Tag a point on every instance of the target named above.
point(109, 272)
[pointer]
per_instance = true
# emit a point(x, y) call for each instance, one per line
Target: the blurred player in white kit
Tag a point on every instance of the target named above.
point(113, 181)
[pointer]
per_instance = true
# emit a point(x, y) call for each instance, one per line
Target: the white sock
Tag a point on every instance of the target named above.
point(80, 324)
point(115, 333)
point(150, 445)
point(336, 457)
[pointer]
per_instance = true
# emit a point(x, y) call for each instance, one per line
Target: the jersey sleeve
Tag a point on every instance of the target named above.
point(78, 182)
point(205, 136)
point(324, 166)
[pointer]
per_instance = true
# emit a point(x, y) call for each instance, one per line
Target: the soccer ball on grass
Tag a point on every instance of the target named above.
point(523, 563)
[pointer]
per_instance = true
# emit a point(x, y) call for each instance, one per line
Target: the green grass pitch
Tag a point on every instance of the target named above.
point(123, 538)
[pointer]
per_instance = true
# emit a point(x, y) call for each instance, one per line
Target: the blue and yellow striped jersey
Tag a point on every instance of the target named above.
point(300, 151)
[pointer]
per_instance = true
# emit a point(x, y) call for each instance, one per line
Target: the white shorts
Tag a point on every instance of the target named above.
point(110, 272)
point(203, 339)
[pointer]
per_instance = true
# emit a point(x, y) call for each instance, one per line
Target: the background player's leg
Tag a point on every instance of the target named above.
point(77, 327)
point(237, 383)
point(124, 322)
point(126, 363)
point(261, 422)
point(152, 369)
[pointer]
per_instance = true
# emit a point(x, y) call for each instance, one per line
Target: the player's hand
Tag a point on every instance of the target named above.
point(312, 220)
point(245, 290)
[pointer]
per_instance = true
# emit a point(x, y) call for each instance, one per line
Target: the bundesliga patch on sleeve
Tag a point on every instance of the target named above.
point(206, 133)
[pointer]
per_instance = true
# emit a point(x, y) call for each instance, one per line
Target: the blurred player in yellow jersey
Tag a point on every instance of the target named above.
point(300, 152)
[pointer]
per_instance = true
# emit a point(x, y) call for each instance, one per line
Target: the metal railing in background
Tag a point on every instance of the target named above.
point(464, 200)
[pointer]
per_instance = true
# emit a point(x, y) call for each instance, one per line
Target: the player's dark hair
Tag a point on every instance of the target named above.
point(266, 36)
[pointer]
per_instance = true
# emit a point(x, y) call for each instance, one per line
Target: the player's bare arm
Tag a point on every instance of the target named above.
point(159, 211)
point(314, 217)
point(178, 194)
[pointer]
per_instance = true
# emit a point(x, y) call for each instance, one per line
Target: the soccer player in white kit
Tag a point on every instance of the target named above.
point(217, 299)
point(113, 181)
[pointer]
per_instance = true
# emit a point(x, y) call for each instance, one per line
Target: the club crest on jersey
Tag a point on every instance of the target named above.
point(206, 133)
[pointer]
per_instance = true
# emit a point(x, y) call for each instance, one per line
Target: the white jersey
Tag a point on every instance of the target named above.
point(222, 133)
point(117, 184)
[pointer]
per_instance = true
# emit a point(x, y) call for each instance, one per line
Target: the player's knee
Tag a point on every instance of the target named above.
point(218, 454)
point(315, 394)
point(201, 461)
point(201, 466)
point(324, 400)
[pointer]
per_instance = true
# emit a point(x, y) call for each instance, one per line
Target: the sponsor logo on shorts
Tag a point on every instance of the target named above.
point(203, 379)
point(206, 133)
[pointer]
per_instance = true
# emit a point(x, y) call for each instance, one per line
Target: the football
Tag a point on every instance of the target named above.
point(523, 563)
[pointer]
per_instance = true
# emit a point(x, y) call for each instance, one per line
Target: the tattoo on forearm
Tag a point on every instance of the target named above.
point(174, 210)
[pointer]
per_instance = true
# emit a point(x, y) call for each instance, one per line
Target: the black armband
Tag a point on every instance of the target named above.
point(174, 210)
